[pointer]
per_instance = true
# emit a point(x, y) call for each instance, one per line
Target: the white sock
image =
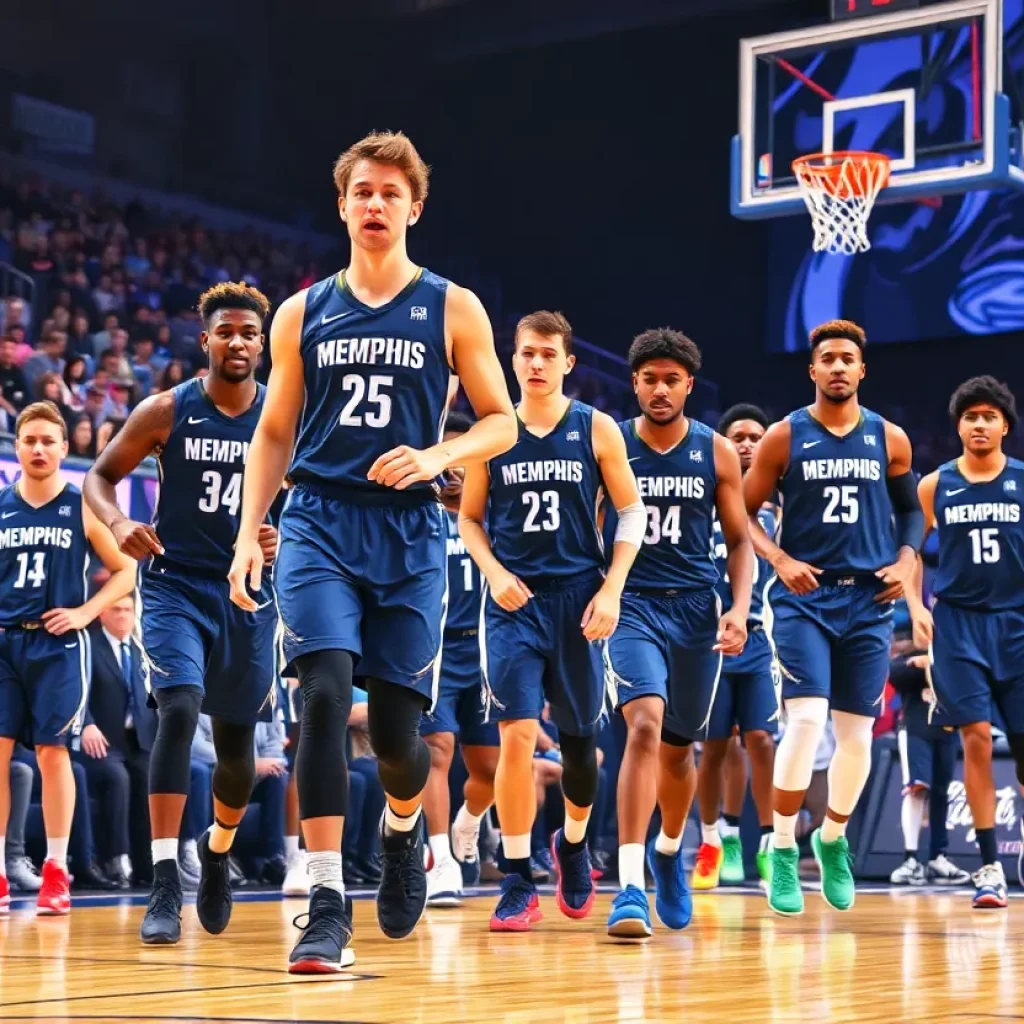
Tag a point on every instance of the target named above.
point(667, 845)
point(728, 831)
point(465, 820)
point(631, 866)
point(3, 856)
point(396, 823)
point(785, 830)
point(441, 848)
point(165, 849)
point(710, 834)
point(325, 869)
point(291, 847)
point(57, 851)
point(516, 847)
point(911, 817)
point(221, 838)
point(831, 830)
point(576, 830)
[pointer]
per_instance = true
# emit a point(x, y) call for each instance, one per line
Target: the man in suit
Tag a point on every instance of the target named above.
point(118, 735)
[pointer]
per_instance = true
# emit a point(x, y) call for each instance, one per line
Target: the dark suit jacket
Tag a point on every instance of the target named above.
point(109, 699)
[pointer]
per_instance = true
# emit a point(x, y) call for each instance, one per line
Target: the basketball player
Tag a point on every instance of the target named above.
point(851, 528)
point(666, 655)
point(45, 533)
point(745, 699)
point(203, 653)
point(459, 712)
point(361, 364)
point(977, 637)
point(549, 607)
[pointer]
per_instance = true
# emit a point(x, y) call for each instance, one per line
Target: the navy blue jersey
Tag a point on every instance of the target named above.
point(542, 508)
point(201, 469)
point(762, 570)
point(836, 512)
point(981, 539)
point(678, 490)
point(375, 379)
point(464, 584)
point(44, 555)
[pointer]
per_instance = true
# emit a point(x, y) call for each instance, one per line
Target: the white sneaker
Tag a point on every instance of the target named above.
point(989, 887)
point(296, 879)
point(942, 871)
point(910, 872)
point(465, 842)
point(444, 884)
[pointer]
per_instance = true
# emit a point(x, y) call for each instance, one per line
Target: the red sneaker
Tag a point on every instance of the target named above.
point(55, 895)
point(5, 897)
point(518, 908)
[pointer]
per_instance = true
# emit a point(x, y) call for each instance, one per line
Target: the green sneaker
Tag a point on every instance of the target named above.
point(784, 893)
point(836, 866)
point(732, 872)
point(764, 865)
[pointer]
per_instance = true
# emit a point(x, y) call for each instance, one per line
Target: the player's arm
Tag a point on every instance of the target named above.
point(736, 531)
point(508, 590)
point(771, 460)
point(908, 517)
point(146, 430)
point(120, 583)
point(920, 616)
point(481, 377)
point(602, 614)
point(271, 447)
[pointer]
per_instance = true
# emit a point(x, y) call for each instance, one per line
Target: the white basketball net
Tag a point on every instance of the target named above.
point(840, 190)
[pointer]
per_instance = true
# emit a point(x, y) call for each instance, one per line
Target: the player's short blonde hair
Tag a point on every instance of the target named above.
point(41, 411)
point(394, 149)
point(548, 325)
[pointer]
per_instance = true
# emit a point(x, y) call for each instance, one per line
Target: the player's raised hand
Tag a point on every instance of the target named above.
point(404, 466)
point(247, 566)
point(59, 621)
point(732, 634)
point(923, 627)
point(602, 615)
point(509, 591)
point(267, 538)
point(136, 540)
point(797, 577)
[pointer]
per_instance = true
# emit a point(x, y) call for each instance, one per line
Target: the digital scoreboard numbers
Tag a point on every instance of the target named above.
point(843, 9)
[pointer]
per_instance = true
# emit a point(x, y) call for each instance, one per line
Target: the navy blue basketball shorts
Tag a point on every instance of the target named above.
point(978, 661)
point(746, 697)
point(44, 685)
point(833, 642)
point(663, 647)
point(460, 704)
point(364, 578)
point(193, 635)
point(927, 758)
point(539, 652)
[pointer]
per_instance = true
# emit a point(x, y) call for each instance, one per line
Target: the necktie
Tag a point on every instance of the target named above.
point(126, 670)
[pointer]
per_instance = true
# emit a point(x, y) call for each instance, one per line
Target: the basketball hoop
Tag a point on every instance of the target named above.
point(840, 190)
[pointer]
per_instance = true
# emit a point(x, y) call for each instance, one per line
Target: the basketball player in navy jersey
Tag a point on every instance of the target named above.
point(851, 529)
point(361, 366)
point(45, 533)
point(549, 606)
point(459, 712)
point(977, 637)
point(666, 656)
point(203, 653)
point(745, 700)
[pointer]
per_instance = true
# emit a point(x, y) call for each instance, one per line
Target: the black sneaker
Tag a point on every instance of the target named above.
point(323, 948)
point(213, 900)
point(162, 924)
point(402, 895)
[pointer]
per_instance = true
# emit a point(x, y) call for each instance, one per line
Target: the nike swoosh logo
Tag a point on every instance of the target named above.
point(194, 421)
point(7, 515)
point(75, 644)
point(959, 490)
point(811, 444)
point(635, 457)
point(325, 320)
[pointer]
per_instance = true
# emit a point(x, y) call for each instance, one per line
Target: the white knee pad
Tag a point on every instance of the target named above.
point(805, 725)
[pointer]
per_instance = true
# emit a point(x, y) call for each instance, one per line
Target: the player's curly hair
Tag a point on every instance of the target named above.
point(742, 411)
point(664, 343)
point(983, 391)
point(233, 295)
point(831, 329)
point(394, 149)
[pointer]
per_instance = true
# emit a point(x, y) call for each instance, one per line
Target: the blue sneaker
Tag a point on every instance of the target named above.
point(989, 888)
point(518, 907)
point(470, 871)
point(542, 866)
point(574, 891)
point(673, 902)
point(631, 916)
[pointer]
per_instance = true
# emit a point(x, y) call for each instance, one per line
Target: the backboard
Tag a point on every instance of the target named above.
point(924, 86)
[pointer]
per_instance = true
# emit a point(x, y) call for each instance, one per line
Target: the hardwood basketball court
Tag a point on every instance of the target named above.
point(898, 956)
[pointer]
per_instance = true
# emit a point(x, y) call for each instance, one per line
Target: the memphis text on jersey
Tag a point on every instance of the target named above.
point(32, 536)
point(211, 449)
point(983, 512)
point(371, 351)
point(567, 470)
point(842, 469)
point(671, 486)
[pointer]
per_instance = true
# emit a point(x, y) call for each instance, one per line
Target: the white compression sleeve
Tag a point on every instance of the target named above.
point(632, 524)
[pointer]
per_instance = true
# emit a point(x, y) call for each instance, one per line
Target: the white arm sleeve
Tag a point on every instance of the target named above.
point(632, 524)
